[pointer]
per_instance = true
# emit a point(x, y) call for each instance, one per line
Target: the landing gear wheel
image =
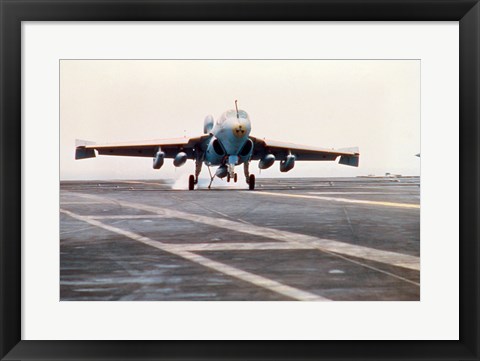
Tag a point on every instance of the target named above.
point(251, 182)
point(228, 178)
point(235, 178)
point(191, 182)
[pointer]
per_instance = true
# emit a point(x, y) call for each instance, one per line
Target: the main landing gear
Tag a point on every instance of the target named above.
point(251, 182)
point(191, 182)
point(250, 177)
point(193, 179)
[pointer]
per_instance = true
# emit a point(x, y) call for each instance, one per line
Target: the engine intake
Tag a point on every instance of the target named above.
point(217, 147)
point(215, 152)
point(247, 148)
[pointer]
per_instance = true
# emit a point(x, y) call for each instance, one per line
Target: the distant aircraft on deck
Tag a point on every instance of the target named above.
point(226, 143)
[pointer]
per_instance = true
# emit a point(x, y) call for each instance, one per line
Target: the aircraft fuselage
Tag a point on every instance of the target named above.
point(230, 144)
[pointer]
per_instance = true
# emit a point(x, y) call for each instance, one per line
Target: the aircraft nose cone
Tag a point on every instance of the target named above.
point(239, 130)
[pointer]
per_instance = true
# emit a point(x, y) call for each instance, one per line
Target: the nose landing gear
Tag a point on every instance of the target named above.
point(234, 178)
point(193, 179)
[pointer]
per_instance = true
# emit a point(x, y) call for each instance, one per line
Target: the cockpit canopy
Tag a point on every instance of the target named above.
point(229, 114)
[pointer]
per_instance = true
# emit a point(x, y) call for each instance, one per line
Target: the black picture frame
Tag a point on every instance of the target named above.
point(13, 12)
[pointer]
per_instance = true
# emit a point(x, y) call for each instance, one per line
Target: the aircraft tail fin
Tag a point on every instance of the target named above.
point(350, 160)
point(81, 152)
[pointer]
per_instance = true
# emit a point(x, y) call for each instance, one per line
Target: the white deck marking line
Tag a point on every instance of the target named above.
point(345, 200)
point(143, 216)
point(76, 230)
point(326, 245)
point(211, 210)
point(147, 183)
point(257, 280)
point(237, 246)
point(84, 202)
point(377, 269)
point(372, 193)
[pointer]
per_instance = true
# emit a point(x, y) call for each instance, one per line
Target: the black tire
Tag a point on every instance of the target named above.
point(251, 182)
point(191, 182)
point(235, 178)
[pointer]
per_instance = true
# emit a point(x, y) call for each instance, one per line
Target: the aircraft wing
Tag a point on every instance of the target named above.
point(262, 147)
point(148, 148)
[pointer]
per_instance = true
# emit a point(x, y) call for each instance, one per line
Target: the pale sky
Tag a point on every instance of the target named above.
point(372, 104)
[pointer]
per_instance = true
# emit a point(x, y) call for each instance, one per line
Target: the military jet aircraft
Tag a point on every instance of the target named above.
point(226, 143)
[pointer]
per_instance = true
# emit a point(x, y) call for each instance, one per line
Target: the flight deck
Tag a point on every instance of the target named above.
point(309, 239)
